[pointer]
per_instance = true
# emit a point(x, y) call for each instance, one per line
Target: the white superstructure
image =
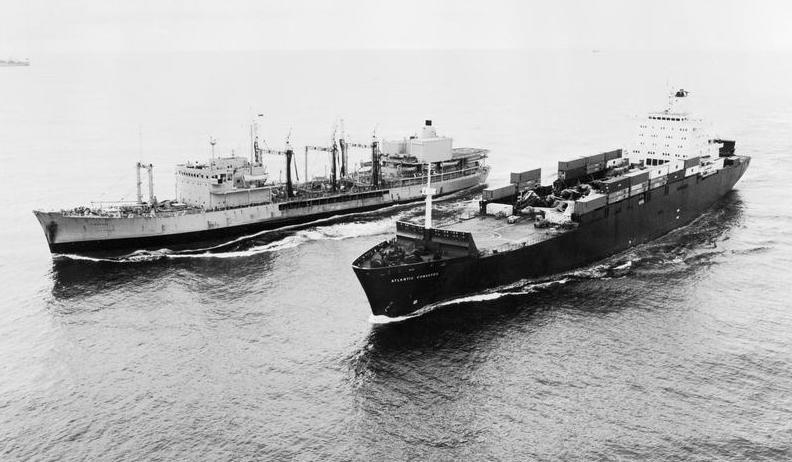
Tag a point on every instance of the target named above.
point(222, 182)
point(672, 136)
point(426, 147)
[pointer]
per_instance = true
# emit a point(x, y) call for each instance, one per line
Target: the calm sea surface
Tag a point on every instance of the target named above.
point(676, 350)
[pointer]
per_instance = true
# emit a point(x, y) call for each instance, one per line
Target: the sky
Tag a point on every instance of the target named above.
point(28, 27)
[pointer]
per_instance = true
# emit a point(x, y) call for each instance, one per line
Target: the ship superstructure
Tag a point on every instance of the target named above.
point(600, 204)
point(234, 195)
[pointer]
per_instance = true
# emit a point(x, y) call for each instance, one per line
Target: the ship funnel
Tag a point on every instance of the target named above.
point(678, 101)
point(428, 130)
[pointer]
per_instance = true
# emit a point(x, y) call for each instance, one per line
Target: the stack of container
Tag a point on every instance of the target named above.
point(500, 210)
point(595, 163)
point(639, 181)
point(616, 188)
point(658, 176)
point(588, 165)
point(658, 181)
point(527, 179)
point(503, 192)
point(726, 149)
point(591, 202)
point(572, 169)
point(692, 166)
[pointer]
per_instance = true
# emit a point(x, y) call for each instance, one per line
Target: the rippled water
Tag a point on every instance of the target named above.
point(264, 347)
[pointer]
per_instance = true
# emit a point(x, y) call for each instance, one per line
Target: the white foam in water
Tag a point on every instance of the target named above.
point(374, 319)
point(282, 244)
point(625, 266)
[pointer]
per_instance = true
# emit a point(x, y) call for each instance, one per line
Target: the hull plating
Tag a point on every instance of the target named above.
point(400, 290)
point(86, 234)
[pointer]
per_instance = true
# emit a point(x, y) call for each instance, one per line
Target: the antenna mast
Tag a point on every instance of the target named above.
point(428, 191)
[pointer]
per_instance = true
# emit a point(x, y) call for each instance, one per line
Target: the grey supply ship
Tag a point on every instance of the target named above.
point(599, 205)
point(231, 196)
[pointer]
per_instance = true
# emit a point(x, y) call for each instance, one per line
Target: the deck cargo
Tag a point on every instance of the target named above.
point(424, 266)
point(693, 161)
point(565, 165)
point(657, 182)
point(619, 183)
point(526, 176)
point(638, 177)
point(591, 202)
point(690, 171)
point(493, 194)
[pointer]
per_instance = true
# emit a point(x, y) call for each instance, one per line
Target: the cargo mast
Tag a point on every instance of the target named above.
point(150, 169)
point(428, 191)
point(289, 154)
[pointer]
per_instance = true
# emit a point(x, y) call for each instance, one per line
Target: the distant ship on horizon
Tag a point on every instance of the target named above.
point(13, 62)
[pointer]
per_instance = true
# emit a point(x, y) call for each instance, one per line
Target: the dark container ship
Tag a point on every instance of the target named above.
point(599, 205)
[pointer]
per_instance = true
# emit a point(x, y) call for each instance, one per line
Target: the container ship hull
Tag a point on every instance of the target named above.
point(401, 290)
point(69, 233)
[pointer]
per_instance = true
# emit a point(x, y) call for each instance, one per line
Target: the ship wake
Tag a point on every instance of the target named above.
point(373, 223)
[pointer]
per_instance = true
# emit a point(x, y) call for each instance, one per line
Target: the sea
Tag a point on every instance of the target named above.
point(264, 347)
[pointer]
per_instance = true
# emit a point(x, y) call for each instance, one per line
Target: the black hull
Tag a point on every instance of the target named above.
point(401, 290)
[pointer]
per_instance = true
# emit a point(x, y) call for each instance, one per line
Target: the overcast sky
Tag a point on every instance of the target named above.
point(35, 26)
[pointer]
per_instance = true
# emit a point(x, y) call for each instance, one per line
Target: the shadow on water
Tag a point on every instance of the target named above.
point(608, 286)
point(80, 278)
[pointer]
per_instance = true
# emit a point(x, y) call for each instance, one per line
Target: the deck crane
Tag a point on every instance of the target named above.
point(375, 154)
point(289, 153)
point(333, 150)
point(375, 159)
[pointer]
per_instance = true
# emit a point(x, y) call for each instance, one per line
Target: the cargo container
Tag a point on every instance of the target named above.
point(637, 177)
point(502, 210)
point(493, 194)
point(612, 155)
point(657, 182)
point(638, 189)
point(527, 185)
point(564, 165)
point(618, 196)
point(594, 168)
point(595, 159)
point(693, 161)
point(615, 184)
point(690, 171)
point(591, 202)
point(528, 175)
point(726, 149)
point(572, 174)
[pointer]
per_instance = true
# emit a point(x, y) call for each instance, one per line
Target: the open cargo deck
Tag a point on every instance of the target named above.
point(491, 234)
